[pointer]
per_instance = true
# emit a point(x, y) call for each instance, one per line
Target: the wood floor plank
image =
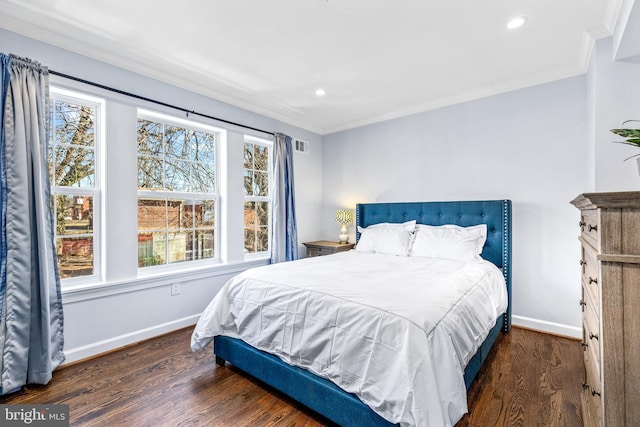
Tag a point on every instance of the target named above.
point(529, 379)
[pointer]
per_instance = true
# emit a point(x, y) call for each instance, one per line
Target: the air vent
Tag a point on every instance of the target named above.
point(301, 146)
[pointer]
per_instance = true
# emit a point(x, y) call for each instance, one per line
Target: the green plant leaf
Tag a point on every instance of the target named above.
point(627, 133)
point(632, 137)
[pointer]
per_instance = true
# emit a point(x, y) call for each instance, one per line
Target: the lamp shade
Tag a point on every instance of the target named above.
point(344, 216)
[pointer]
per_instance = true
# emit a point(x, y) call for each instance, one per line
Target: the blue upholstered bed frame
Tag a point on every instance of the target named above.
point(325, 397)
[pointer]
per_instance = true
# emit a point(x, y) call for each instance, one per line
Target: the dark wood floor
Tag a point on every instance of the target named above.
point(530, 379)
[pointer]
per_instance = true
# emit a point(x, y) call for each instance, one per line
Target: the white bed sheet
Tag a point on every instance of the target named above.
point(395, 331)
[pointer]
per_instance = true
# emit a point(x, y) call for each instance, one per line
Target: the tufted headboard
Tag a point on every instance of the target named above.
point(495, 213)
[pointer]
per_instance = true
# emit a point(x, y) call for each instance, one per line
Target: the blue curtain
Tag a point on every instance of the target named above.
point(31, 326)
point(284, 232)
point(5, 71)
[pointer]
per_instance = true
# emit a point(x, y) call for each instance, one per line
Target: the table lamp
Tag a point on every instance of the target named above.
point(344, 217)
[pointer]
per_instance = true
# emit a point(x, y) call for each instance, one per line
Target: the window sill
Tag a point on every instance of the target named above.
point(88, 291)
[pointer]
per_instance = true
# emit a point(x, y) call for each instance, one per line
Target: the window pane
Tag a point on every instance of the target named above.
point(149, 138)
point(75, 256)
point(248, 156)
point(74, 166)
point(261, 157)
point(150, 173)
point(248, 183)
point(205, 213)
point(73, 124)
point(180, 214)
point(203, 148)
point(249, 240)
point(250, 226)
point(178, 175)
point(177, 142)
point(203, 178)
point(73, 214)
point(152, 215)
point(262, 239)
point(261, 184)
point(249, 214)
point(262, 213)
point(151, 249)
point(204, 245)
point(180, 246)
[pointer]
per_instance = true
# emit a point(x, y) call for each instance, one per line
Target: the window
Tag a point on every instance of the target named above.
point(177, 195)
point(256, 195)
point(73, 159)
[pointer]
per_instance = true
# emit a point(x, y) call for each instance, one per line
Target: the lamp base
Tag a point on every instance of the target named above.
point(343, 237)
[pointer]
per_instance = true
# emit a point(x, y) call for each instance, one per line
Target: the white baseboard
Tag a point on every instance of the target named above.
point(548, 327)
point(79, 353)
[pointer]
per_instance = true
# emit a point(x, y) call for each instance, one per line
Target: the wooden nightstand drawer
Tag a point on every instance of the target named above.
point(326, 247)
point(314, 251)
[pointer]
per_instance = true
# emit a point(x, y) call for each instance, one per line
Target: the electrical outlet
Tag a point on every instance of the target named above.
point(175, 289)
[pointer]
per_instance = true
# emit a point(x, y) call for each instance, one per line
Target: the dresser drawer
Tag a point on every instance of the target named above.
point(591, 337)
point(589, 307)
point(590, 227)
point(591, 388)
point(591, 279)
point(591, 408)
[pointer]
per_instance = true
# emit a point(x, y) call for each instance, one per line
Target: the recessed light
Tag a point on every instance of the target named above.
point(516, 23)
point(320, 92)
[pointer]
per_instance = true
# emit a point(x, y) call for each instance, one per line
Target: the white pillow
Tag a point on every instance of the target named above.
point(387, 238)
point(449, 242)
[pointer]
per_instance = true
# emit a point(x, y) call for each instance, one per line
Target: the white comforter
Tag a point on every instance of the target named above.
point(395, 331)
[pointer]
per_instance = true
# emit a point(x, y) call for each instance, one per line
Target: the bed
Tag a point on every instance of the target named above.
point(310, 387)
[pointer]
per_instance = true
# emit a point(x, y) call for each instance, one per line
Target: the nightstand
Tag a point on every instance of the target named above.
point(326, 247)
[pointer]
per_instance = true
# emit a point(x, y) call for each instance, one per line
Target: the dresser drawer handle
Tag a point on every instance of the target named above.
point(592, 280)
point(585, 345)
point(593, 392)
point(583, 302)
point(582, 224)
point(583, 262)
point(585, 386)
point(593, 336)
point(592, 227)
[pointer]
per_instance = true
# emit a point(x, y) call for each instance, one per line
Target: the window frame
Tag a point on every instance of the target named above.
point(250, 139)
point(97, 192)
point(167, 195)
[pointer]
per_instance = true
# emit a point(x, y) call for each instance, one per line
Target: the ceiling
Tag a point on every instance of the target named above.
point(376, 59)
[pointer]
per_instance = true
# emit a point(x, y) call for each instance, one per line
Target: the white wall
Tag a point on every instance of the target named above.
point(130, 307)
point(616, 99)
point(530, 146)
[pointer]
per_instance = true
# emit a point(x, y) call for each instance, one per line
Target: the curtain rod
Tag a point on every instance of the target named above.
point(133, 95)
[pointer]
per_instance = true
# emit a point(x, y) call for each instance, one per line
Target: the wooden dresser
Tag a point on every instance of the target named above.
point(610, 237)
